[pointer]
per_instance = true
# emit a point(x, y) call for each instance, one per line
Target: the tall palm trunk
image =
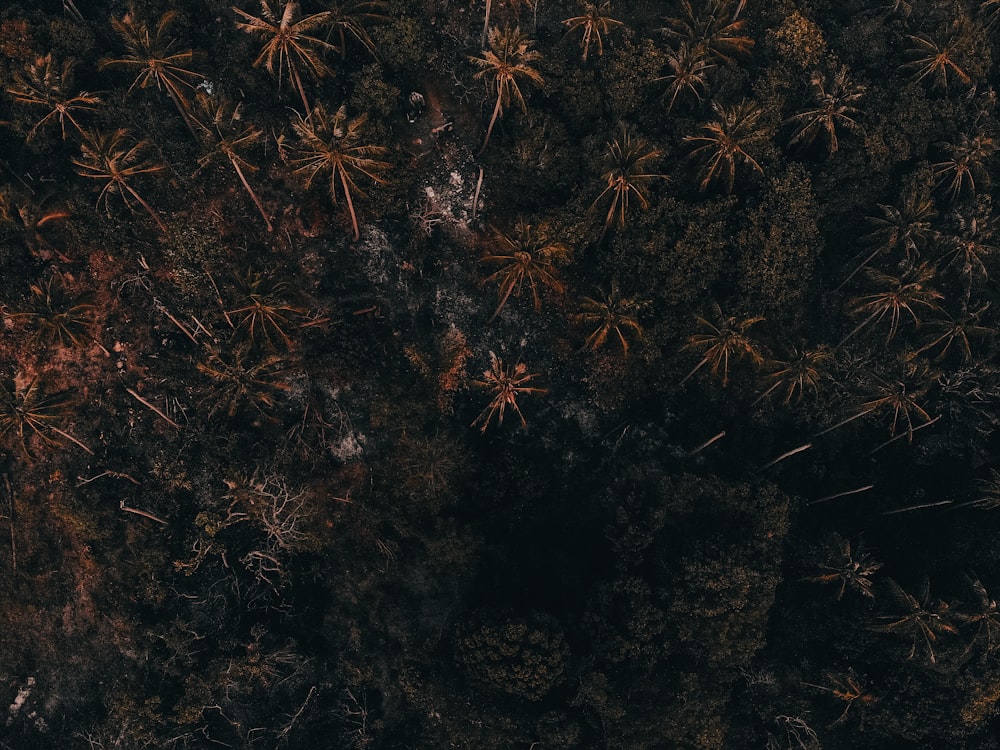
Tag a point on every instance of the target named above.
point(253, 195)
point(486, 24)
point(493, 120)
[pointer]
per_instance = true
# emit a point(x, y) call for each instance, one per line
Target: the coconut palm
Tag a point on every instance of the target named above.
point(26, 411)
point(725, 141)
point(507, 61)
point(988, 491)
point(923, 620)
point(263, 312)
point(797, 375)
point(688, 67)
point(116, 161)
point(45, 85)
point(592, 22)
point(908, 228)
point(612, 315)
point(334, 145)
point(848, 569)
point(29, 218)
point(936, 61)
point(156, 61)
point(966, 160)
point(626, 163)
point(969, 253)
point(61, 318)
point(944, 332)
point(348, 18)
point(226, 136)
point(896, 297)
point(290, 45)
point(900, 398)
point(982, 616)
point(722, 342)
point(506, 383)
point(717, 29)
point(834, 106)
point(238, 381)
point(989, 11)
point(528, 256)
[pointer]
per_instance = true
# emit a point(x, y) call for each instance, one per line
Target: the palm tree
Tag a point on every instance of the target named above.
point(896, 297)
point(226, 135)
point(527, 256)
point(965, 160)
point(334, 145)
point(935, 60)
point(900, 398)
point(593, 22)
point(625, 174)
point(238, 381)
point(688, 69)
point(109, 157)
point(26, 411)
point(971, 250)
point(949, 330)
point(800, 373)
point(62, 319)
point(263, 313)
point(611, 313)
point(348, 17)
point(834, 107)
point(847, 568)
point(153, 56)
point(506, 383)
point(722, 342)
point(983, 617)
point(44, 84)
point(907, 227)
point(723, 145)
point(922, 620)
point(849, 690)
point(718, 30)
point(289, 45)
point(508, 59)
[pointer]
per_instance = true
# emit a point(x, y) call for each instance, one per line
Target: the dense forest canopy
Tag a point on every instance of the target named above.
point(539, 374)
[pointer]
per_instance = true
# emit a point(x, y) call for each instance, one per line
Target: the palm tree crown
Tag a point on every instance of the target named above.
point(45, 84)
point(226, 136)
point(833, 101)
point(289, 45)
point(110, 158)
point(529, 256)
point(333, 144)
point(626, 164)
point(725, 140)
point(507, 60)
point(157, 63)
point(593, 22)
point(349, 18)
point(717, 30)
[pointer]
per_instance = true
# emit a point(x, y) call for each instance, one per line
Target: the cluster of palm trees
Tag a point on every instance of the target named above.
point(332, 148)
point(887, 305)
point(922, 621)
point(293, 48)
